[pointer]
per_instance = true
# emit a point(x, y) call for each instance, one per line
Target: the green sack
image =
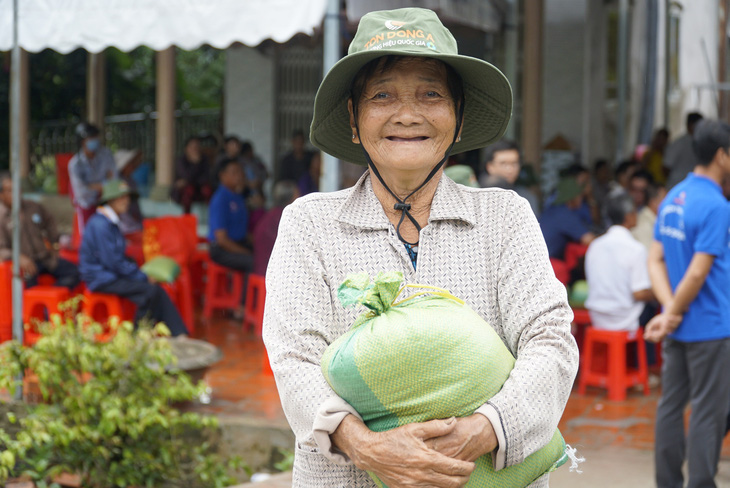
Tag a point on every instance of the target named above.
point(427, 357)
point(162, 269)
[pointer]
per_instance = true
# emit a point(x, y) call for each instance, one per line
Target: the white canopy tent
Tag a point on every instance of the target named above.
point(66, 25)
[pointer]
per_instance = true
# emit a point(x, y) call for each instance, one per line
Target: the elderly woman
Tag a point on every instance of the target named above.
point(401, 102)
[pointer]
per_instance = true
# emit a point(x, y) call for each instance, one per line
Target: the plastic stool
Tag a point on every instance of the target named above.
point(179, 293)
point(254, 305)
point(6, 298)
point(223, 289)
point(616, 376)
point(101, 306)
point(36, 301)
point(266, 365)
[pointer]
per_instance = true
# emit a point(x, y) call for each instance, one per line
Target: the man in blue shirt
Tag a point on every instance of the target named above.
point(105, 268)
point(562, 223)
point(689, 265)
point(228, 220)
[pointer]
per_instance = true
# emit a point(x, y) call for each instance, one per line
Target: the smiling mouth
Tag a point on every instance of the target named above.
point(407, 139)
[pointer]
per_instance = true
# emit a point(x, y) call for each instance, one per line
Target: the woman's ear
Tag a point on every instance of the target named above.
point(355, 138)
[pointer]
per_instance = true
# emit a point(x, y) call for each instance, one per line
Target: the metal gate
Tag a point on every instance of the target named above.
point(299, 73)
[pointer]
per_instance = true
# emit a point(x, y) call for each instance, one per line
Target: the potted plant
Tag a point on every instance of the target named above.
point(108, 413)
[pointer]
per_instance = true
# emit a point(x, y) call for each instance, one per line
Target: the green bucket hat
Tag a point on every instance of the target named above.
point(114, 189)
point(568, 189)
point(409, 32)
point(462, 174)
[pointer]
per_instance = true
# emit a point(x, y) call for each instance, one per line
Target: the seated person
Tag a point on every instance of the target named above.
point(295, 163)
point(105, 268)
point(562, 221)
point(192, 176)
point(264, 236)
point(228, 220)
point(127, 161)
point(616, 270)
point(503, 163)
point(88, 170)
point(309, 182)
point(254, 170)
point(38, 240)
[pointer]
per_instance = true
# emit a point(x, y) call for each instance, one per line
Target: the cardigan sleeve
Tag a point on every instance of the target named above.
point(536, 322)
point(296, 319)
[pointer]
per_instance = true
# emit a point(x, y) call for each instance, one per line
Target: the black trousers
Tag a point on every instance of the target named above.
point(233, 260)
point(151, 300)
point(66, 274)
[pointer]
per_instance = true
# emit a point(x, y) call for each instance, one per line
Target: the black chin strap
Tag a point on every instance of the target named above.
point(401, 205)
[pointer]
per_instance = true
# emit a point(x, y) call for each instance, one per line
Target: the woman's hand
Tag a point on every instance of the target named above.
point(400, 457)
point(472, 437)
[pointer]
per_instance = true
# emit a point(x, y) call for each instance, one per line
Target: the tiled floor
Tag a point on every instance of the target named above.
point(240, 387)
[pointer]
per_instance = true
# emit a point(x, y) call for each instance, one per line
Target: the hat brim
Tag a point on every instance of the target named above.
point(487, 109)
point(106, 199)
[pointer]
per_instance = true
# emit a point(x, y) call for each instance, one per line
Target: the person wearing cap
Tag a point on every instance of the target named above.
point(38, 240)
point(401, 109)
point(106, 269)
point(127, 161)
point(561, 222)
point(88, 170)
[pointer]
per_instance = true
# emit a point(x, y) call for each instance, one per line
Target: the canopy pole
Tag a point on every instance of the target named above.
point(329, 179)
point(621, 69)
point(17, 286)
point(534, 15)
point(165, 128)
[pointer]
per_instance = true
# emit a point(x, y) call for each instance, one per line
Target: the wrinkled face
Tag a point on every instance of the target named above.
point(505, 164)
point(6, 193)
point(406, 116)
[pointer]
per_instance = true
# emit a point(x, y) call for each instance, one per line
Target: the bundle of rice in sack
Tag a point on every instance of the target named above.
point(427, 357)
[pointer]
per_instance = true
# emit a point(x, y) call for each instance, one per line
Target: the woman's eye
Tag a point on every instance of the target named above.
point(381, 95)
point(432, 94)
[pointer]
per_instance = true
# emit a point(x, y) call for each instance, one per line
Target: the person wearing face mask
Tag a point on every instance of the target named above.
point(88, 170)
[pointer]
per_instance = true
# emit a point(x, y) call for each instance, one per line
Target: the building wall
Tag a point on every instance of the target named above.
point(249, 99)
point(698, 63)
point(563, 66)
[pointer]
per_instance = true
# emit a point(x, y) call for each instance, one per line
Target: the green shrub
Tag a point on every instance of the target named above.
point(108, 412)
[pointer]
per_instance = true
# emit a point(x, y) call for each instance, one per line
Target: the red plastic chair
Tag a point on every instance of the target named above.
point(610, 370)
point(64, 182)
point(573, 253)
point(223, 289)
point(100, 307)
point(561, 270)
point(254, 304)
point(6, 300)
point(38, 301)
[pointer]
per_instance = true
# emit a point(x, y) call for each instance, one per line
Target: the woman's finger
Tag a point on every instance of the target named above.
point(433, 428)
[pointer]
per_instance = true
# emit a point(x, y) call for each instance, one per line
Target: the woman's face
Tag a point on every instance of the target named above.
point(406, 116)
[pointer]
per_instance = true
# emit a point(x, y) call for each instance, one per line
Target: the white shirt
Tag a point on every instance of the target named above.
point(616, 267)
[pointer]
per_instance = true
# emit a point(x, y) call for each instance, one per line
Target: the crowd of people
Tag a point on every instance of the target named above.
point(108, 220)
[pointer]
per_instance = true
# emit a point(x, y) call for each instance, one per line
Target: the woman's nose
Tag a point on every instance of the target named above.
point(408, 111)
